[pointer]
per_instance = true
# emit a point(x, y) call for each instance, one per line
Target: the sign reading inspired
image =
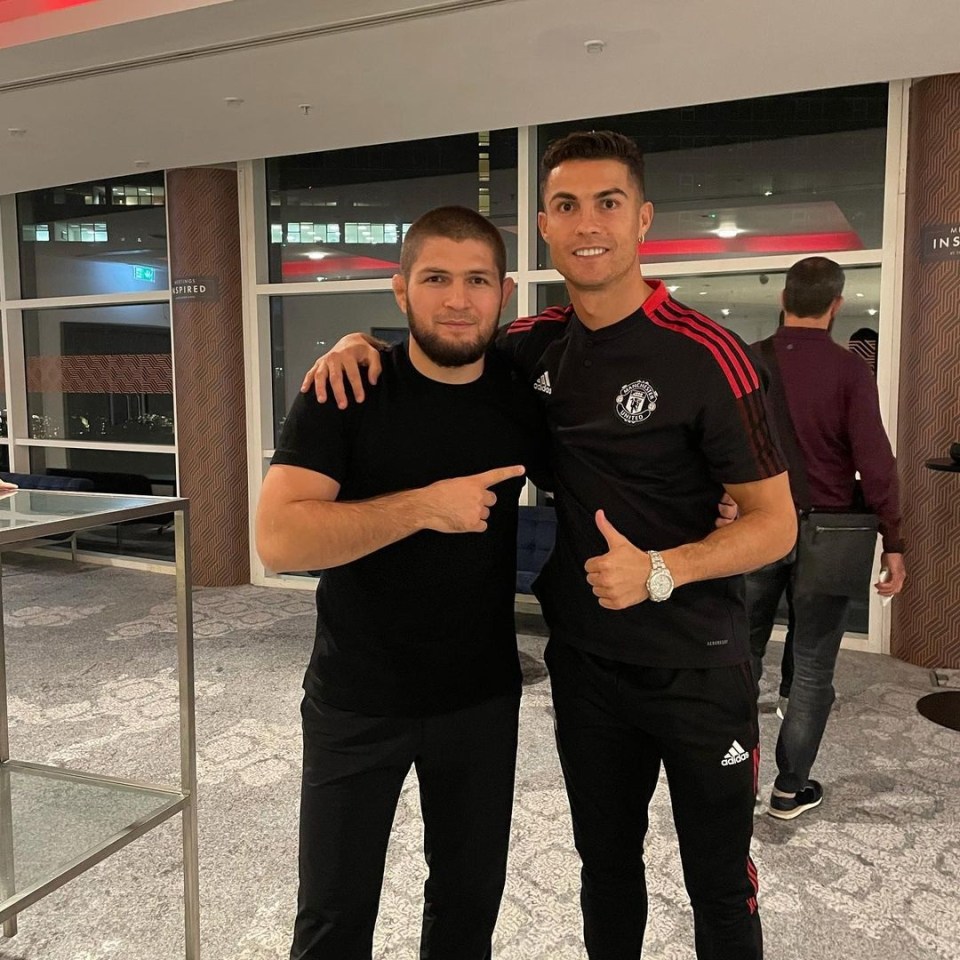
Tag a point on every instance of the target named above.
point(196, 288)
point(940, 242)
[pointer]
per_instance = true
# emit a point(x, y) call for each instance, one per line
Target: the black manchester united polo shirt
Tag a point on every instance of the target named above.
point(649, 418)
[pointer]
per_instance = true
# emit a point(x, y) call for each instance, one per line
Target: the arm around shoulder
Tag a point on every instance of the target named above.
point(345, 360)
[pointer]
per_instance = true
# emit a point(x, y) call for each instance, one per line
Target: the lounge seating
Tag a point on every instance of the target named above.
point(128, 484)
point(40, 481)
point(536, 533)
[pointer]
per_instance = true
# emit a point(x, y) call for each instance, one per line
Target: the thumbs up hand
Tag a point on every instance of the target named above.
point(619, 576)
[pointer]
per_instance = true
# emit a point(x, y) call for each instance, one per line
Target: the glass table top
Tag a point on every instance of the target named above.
point(49, 821)
point(27, 514)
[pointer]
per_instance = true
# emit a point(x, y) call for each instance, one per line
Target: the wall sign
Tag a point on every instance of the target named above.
point(196, 288)
point(940, 242)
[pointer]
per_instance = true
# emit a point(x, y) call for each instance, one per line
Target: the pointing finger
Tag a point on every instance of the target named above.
point(491, 477)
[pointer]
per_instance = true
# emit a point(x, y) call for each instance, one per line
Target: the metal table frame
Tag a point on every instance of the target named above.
point(62, 508)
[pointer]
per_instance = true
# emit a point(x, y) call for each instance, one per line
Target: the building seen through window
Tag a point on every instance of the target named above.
point(99, 374)
point(94, 238)
point(343, 214)
point(801, 173)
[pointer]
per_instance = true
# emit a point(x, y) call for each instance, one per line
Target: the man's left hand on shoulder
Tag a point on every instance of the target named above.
point(619, 576)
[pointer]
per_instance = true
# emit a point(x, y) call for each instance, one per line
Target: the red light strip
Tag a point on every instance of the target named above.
point(308, 269)
point(752, 245)
point(19, 9)
point(690, 247)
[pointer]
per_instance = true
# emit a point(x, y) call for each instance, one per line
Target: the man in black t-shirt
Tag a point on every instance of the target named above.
point(408, 503)
point(654, 411)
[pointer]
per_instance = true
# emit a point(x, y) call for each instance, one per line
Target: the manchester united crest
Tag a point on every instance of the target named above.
point(636, 401)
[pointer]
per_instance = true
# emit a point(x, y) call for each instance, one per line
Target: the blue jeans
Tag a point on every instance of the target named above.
point(819, 621)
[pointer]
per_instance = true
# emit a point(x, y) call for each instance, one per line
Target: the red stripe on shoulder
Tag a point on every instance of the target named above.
point(551, 314)
point(725, 348)
point(730, 343)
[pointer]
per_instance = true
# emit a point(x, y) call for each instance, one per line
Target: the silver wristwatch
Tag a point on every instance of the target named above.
point(660, 581)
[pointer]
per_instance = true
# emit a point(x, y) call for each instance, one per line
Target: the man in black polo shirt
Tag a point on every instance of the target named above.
point(415, 660)
point(654, 411)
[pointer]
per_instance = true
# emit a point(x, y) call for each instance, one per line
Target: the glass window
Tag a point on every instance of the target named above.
point(91, 238)
point(3, 392)
point(4, 432)
point(749, 303)
point(305, 327)
point(111, 471)
point(342, 214)
point(801, 173)
point(118, 471)
point(100, 373)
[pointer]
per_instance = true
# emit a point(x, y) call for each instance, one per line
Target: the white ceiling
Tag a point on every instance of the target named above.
point(95, 102)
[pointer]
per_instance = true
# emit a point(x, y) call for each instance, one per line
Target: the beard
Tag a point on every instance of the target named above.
point(451, 353)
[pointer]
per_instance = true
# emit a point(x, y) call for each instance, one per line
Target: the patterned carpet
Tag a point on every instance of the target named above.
point(874, 873)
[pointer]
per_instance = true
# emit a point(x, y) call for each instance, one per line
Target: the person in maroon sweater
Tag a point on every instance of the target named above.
point(832, 398)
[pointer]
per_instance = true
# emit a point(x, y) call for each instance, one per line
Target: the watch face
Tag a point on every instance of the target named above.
point(660, 585)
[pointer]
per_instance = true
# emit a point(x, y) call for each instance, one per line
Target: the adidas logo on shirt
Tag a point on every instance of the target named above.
point(736, 754)
point(542, 383)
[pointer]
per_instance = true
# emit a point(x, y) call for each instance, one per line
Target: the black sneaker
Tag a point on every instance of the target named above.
point(786, 808)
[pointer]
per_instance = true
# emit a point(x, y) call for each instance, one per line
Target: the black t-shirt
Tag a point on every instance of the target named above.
point(649, 417)
point(424, 625)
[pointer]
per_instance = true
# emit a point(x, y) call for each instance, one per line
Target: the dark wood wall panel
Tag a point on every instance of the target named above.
point(926, 617)
point(208, 371)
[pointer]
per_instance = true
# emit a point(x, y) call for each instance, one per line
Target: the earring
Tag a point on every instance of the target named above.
point(643, 237)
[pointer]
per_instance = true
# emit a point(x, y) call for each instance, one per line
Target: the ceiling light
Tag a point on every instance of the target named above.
point(16, 131)
point(726, 311)
point(768, 193)
point(233, 101)
point(674, 288)
point(594, 46)
point(141, 163)
point(872, 312)
point(703, 293)
point(727, 231)
point(316, 255)
point(860, 295)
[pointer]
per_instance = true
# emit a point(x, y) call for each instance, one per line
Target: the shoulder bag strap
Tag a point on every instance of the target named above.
point(788, 435)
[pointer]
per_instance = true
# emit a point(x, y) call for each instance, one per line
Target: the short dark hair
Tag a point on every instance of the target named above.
point(812, 285)
point(593, 145)
point(452, 223)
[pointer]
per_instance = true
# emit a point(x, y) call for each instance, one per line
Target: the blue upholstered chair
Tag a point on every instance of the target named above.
point(536, 533)
point(39, 481)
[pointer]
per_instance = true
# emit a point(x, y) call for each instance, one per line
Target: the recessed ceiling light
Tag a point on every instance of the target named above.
point(316, 255)
point(726, 311)
point(860, 295)
point(727, 231)
point(703, 293)
point(674, 288)
point(594, 46)
point(872, 312)
point(16, 131)
point(141, 163)
point(233, 101)
point(768, 193)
